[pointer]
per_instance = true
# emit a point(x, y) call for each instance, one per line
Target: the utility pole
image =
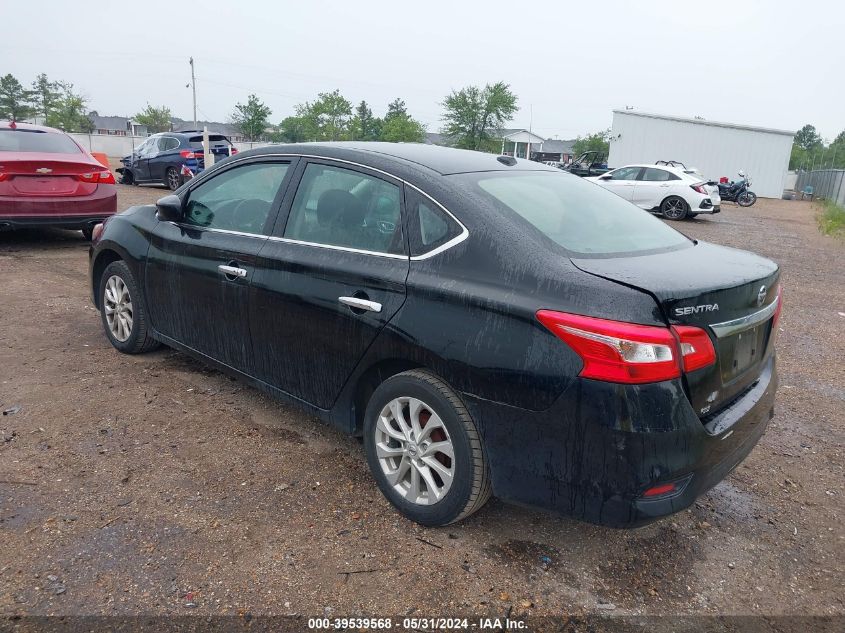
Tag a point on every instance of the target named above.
point(194, 88)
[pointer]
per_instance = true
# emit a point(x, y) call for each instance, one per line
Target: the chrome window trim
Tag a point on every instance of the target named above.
point(726, 328)
point(464, 234)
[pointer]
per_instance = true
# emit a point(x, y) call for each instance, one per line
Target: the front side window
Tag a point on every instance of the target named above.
point(625, 173)
point(237, 199)
point(167, 143)
point(576, 214)
point(341, 207)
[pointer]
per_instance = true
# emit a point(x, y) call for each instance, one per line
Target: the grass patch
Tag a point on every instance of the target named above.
point(832, 219)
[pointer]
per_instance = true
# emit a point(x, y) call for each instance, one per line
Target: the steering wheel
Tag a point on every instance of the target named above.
point(250, 215)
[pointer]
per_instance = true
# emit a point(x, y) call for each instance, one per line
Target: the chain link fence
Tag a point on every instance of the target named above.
point(826, 183)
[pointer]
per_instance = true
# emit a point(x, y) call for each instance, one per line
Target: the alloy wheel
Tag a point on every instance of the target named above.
point(117, 304)
point(173, 180)
point(674, 208)
point(415, 451)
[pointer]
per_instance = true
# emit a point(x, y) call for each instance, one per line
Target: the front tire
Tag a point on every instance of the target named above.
point(674, 208)
point(87, 233)
point(122, 311)
point(746, 199)
point(172, 179)
point(424, 450)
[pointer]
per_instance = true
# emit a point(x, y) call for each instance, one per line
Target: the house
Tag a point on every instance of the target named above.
point(522, 143)
point(116, 126)
point(226, 129)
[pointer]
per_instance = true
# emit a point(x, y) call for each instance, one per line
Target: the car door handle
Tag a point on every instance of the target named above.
point(360, 304)
point(232, 271)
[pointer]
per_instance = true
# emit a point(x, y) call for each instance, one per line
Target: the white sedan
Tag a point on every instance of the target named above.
point(669, 191)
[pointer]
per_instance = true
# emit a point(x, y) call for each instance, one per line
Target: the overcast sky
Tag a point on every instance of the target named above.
point(774, 64)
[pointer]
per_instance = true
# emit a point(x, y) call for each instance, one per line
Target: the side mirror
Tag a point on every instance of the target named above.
point(169, 208)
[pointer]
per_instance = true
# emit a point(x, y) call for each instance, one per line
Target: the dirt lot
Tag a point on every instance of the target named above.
point(151, 484)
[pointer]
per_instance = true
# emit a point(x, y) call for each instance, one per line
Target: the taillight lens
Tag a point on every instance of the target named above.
point(233, 151)
point(3, 176)
point(700, 189)
point(615, 351)
point(97, 232)
point(630, 353)
point(696, 347)
point(101, 177)
point(187, 154)
point(776, 317)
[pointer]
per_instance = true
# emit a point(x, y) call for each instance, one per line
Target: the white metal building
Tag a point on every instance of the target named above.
point(715, 149)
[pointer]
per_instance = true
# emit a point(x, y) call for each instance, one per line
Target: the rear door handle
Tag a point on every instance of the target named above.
point(360, 304)
point(232, 271)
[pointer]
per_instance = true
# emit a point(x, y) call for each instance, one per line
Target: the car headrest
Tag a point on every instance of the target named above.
point(336, 207)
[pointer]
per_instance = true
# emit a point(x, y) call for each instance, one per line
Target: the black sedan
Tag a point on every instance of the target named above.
point(488, 325)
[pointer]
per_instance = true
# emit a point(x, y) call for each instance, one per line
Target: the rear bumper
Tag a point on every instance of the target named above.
point(601, 445)
point(707, 206)
point(70, 212)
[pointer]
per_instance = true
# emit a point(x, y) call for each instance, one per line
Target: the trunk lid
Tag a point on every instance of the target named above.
point(46, 174)
point(731, 294)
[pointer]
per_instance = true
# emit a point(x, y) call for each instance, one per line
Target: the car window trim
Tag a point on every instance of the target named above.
point(275, 208)
point(464, 234)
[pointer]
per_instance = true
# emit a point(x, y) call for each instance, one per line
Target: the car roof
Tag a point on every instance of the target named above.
point(444, 160)
point(674, 170)
point(30, 127)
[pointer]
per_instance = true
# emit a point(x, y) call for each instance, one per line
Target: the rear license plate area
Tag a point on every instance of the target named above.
point(742, 351)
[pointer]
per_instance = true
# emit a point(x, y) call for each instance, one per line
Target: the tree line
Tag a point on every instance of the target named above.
point(810, 151)
point(56, 101)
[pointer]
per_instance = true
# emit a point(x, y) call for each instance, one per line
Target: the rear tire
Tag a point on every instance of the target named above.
point(433, 441)
point(674, 208)
point(122, 311)
point(172, 179)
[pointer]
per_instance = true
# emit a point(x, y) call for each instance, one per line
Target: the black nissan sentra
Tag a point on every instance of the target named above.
point(488, 325)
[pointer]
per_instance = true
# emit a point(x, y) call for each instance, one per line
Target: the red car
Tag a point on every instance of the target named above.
point(47, 179)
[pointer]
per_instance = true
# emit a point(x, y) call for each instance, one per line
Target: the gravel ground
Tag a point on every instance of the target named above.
point(152, 484)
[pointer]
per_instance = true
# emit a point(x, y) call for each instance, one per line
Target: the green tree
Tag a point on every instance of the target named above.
point(396, 108)
point(251, 117)
point(401, 128)
point(364, 126)
point(15, 100)
point(69, 111)
point(331, 113)
point(46, 95)
point(473, 116)
point(807, 138)
point(157, 119)
point(596, 142)
point(295, 129)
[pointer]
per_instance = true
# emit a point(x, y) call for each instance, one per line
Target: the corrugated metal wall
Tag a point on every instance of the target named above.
point(715, 150)
point(826, 183)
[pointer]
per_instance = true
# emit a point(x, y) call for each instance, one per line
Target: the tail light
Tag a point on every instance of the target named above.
point(233, 151)
point(700, 188)
point(630, 353)
point(186, 153)
point(97, 232)
point(100, 177)
point(3, 176)
point(776, 316)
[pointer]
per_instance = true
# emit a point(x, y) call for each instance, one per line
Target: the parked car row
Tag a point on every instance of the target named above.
point(488, 325)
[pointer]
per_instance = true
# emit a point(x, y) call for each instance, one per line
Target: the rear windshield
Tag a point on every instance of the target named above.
point(579, 215)
point(37, 141)
point(214, 139)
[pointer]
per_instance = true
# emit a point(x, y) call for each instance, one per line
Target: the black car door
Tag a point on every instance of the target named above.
point(328, 280)
point(141, 159)
point(198, 270)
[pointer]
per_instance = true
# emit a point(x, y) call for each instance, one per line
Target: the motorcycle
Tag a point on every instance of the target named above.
point(738, 191)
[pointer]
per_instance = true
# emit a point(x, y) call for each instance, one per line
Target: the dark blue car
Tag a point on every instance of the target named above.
point(170, 158)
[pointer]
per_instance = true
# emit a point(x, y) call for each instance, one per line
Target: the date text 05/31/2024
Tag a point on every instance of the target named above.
point(417, 624)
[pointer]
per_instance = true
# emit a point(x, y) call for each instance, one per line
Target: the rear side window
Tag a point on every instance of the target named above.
point(342, 207)
point(213, 139)
point(237, 199)
point(582, 217)
point(652, 174)
point(35, 141)
point(430, 226)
